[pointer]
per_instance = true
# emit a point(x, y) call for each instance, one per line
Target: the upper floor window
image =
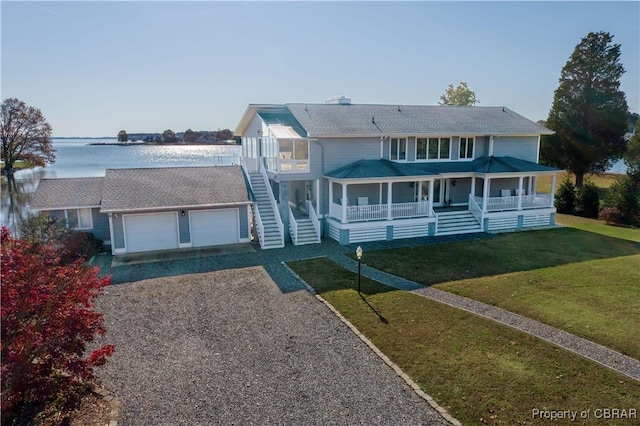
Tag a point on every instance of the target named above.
point(466, 148)
point(433, 148)
point(79, 218)
point(294, 155)
point(398, 149)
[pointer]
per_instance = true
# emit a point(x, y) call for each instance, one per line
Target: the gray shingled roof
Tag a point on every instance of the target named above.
point(61, 193)
point(157, 188)
point(331, 120)
point(367, 169)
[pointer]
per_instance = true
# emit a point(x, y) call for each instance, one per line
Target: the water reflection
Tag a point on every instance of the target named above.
point(16, 197)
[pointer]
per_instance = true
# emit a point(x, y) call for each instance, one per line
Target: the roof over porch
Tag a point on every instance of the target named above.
point(369, 169)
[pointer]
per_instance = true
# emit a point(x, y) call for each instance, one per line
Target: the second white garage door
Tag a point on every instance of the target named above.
point(147, 232)
point(214, 227)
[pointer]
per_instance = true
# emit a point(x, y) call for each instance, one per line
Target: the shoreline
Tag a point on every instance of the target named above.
point(159, 144)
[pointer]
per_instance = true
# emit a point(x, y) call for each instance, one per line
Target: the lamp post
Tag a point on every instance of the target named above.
point(359, 256)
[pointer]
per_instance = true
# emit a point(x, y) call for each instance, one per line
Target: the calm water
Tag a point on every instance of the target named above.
point(77, 158)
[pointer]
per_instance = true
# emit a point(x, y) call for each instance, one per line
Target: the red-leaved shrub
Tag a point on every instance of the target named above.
point(47, 318)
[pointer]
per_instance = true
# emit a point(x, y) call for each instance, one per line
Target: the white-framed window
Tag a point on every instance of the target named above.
point(293, 155)
point(421, 148)
point(433, 148)
point(467, 145)
point(79, 218)
point(398, 149)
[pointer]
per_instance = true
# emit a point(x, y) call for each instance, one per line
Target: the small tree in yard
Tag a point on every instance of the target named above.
point(47, 318)
point(587, 200)
point(565, 200)
point(622, 203)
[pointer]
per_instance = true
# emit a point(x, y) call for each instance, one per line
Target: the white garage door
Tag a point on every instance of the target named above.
point(214, 227)
point(147, 232)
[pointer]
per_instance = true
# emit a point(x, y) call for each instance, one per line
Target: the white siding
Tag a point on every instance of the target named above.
point(252, 129)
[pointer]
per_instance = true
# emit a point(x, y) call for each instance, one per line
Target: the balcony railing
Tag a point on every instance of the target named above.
point(379, 211)
point(511, 203)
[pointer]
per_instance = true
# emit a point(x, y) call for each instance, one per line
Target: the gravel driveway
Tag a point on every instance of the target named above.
point(227, 347)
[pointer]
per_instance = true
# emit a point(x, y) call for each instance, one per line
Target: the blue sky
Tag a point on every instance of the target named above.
point(94, 68)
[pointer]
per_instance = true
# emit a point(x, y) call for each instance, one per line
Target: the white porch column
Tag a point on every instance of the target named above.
point(485, 193)
point(380, 195)
point(553, 189)
point(431, 184)
point(534, 184)
point(344, 202)
point(473, 186)
point(330, 195)
point(520, 193)
point(389, 201)
point(318, 211)
point(419, 191)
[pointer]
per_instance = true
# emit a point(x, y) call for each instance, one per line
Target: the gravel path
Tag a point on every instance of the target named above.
point(623, 364)
point(229, 347)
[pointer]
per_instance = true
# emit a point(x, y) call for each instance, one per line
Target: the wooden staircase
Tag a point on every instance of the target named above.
point(270, 235)
point(457, 222)
point(305, 233)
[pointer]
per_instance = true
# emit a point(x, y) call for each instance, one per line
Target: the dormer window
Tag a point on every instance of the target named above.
point(398, 149)
point(466, 148)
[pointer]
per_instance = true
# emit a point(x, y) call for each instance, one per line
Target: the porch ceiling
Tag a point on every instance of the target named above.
point(369, 169)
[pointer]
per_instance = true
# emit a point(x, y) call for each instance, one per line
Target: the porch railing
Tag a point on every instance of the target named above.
point(314, 218)
point(380, 211)
point(250, 164)
point(257, 224)
point(511, 203)
point(475, 208)
point(293, 226)
point(272, 201)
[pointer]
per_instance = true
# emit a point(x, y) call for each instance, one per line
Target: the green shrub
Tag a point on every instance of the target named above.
point(624, 196)
point(611, 215)
point(81, 245)
point(71, 245)
point(587, 202)
point(565, 200)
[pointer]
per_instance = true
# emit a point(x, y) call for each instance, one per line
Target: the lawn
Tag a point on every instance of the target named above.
point(479, 370)
point(603, 181)
point(582, 282)
point(598, 227)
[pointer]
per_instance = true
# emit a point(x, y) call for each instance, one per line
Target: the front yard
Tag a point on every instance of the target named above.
point(481, 371)
point(582, 282)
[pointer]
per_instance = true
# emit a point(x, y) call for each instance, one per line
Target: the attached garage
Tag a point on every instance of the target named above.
point(214, 227)
point(154, 231)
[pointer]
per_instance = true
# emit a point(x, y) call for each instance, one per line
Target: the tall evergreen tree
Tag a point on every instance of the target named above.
point(589, 110)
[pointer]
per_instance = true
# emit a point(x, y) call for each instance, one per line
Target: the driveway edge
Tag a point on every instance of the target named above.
point(441, 410)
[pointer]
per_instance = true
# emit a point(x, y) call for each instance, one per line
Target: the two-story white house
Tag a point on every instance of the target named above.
point(382, 172)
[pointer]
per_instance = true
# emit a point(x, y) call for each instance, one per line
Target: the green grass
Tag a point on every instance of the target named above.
point(598, 300)
point(477, 369)
point(598, 227)
point(582, 282)
point(504, 253)
point(603, 181)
